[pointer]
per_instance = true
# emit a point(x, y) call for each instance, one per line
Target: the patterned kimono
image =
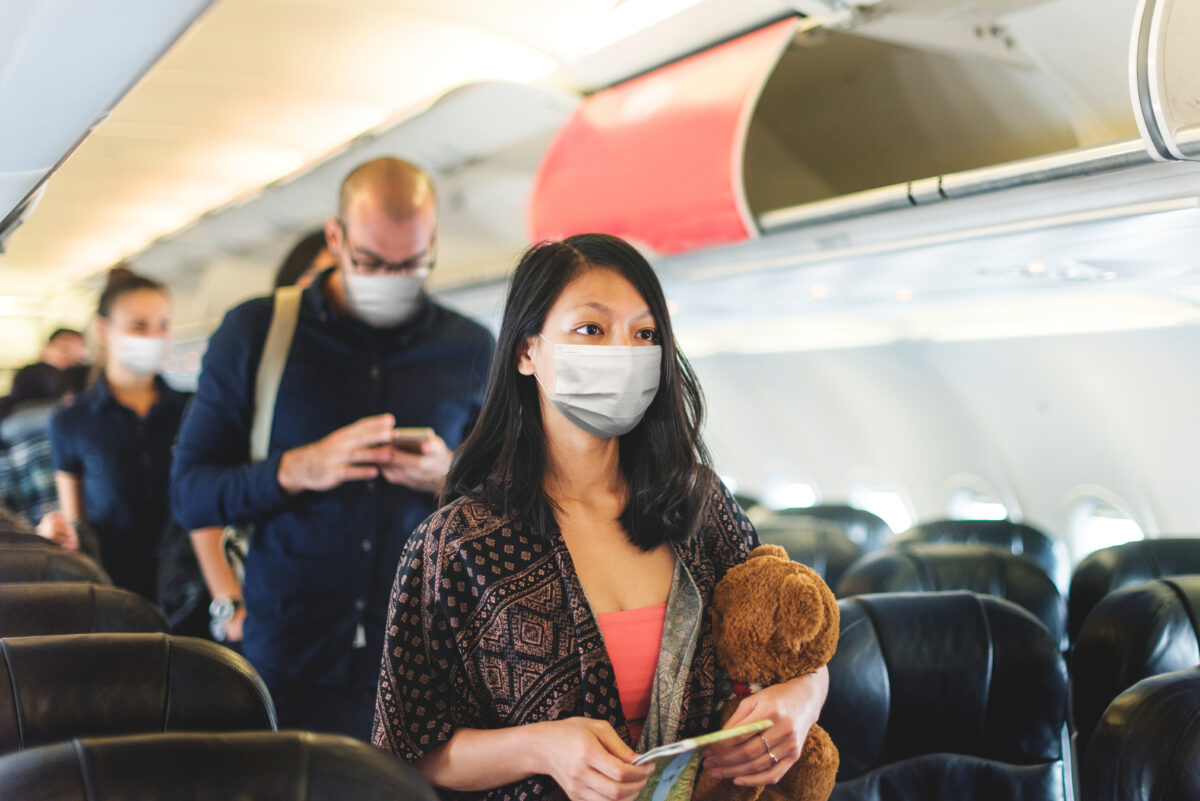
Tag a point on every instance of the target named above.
point(489, 627)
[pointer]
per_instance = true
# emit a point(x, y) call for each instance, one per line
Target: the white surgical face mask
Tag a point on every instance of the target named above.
point(383, 301)
point(139, 355)
point(605, 389)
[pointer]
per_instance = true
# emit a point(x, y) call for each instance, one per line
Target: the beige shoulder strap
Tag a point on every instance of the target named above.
point(270, 368)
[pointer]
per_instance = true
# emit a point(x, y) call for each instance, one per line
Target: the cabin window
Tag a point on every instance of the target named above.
point(886, 504)
point(1097, 524)
point(789, 495)
point(968, 503)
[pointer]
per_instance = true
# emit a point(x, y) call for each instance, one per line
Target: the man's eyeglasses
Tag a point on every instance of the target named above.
point(418, 266)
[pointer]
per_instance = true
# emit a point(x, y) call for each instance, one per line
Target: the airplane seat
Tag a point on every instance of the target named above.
point(257, 766)
point(94, 685)
point(1147, 745)
point(23, 539)
point(1134, 633)
point(946, 696)
point(821, 545)
point(1018, 538)
point(22, 564)
point(865, 529)
point(1109, 569)
point(985, 569)
point(74, 608)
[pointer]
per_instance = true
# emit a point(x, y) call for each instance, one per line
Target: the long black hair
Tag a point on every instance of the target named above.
point(503, 460)
point(300, 258)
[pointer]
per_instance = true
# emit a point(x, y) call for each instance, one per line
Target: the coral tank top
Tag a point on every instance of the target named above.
point(633, 638)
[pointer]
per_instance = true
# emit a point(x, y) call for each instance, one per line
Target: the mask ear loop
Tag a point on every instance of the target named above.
point(549, 394)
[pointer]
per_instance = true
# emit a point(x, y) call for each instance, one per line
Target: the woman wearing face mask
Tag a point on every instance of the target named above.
point(552, 618)
point(112, 447)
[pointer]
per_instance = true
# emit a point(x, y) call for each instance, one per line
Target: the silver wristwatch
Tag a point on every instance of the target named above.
point(222, 611)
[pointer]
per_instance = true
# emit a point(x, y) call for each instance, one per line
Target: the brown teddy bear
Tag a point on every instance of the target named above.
point(774, 620)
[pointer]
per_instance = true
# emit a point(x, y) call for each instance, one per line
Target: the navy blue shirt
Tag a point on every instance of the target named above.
point(122, 461)
point(321, 564)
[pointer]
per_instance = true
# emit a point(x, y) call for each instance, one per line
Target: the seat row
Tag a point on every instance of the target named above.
point(1134, 619)
point(97, 703)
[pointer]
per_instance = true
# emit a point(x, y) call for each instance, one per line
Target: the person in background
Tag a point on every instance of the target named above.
point(554, 616)
point(65, 349)
point(26, 469)
point(307, 259)
point(112, 448)
point(340, 491)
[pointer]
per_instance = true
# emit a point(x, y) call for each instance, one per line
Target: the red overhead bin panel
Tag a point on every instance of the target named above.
point(658, 159)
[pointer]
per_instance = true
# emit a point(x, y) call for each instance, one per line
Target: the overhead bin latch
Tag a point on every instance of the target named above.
point(835, 14)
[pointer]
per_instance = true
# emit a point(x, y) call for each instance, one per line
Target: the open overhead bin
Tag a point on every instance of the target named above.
point(1165, 78)
point(817, 110)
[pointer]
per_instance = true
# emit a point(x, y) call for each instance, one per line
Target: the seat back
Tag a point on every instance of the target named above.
point(945, 696)
point(865, 529)
point(24, 539)
point(1134, 633)
point(36, 562)
point(92, 685)
point(821, 545)
point(260, 766)
point(1147, 745)
point(74, 608)
point(1109, 569)
point(1017, 538)
point(918, 567)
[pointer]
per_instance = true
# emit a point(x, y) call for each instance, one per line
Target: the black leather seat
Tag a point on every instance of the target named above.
point(266, 766)
point(74, 608)
point(918, 567)
point(946, 696)
point(23, 539)
point(39, 563)
point(821, 545)
point(865, 529)
point(89, 685)
point(1017, 538)
point(1109, 569)
point(1147, 746)
point(1132, 634)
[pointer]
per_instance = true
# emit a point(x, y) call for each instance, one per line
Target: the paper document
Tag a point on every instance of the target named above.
point(677, 764)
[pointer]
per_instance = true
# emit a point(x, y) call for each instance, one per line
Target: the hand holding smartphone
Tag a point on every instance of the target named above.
point(411, 439)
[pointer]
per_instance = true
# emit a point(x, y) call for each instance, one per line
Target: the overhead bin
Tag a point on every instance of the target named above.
point(658, 159)
point(703, 151)
point(61, 74)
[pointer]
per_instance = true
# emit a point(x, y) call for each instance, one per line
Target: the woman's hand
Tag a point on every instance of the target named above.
point(590, 762)
point(793, 707)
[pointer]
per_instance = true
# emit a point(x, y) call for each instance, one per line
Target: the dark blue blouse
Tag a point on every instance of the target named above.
point(123, 462)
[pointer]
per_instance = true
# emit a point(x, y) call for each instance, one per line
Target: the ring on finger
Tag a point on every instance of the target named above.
point(766, 745)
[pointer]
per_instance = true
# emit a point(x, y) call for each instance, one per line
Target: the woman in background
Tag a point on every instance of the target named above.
point(112, 448)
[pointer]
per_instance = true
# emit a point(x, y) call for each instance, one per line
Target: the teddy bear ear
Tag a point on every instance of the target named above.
point(770, 550)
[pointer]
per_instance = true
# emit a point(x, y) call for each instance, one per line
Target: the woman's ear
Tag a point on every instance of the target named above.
point(525, 365)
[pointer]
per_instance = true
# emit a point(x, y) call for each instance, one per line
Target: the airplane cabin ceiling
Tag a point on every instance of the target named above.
point(259, 90)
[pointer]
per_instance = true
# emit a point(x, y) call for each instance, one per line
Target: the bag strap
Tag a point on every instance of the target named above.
point(270, 368)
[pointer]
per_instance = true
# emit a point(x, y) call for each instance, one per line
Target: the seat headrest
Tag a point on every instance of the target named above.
point(261, 766)
point(39, 563)
point(943, 673)
point(1108, 569)
point(24, 538)
point(1017, 538)
point(11, 522)
point(919, 567)
point(865, 529)
point(1147, 745)
point(74, 608)
point(87, 685)
point(1133, 633)
point(821, 545)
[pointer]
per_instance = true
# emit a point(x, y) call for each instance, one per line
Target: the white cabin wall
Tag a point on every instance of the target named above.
point(1040, 420)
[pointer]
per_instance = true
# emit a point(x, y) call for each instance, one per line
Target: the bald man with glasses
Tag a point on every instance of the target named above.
point(339, 492)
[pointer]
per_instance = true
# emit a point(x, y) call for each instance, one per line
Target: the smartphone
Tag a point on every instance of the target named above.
point(411, 439)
